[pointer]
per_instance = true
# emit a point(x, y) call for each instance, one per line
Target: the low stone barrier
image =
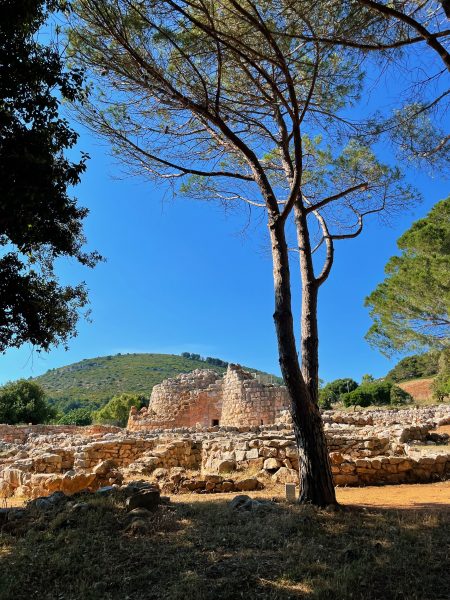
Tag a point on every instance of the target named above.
point(69, 459)
point(389, 469)
point(19, 434)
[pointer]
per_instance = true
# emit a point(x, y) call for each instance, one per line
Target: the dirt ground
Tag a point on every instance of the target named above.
point(434, 496)
point(414, 496)
point(444, 429)
point(420, 389)
point(418, 496)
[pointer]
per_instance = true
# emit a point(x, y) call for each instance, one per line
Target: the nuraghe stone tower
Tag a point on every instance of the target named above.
point(203, 398)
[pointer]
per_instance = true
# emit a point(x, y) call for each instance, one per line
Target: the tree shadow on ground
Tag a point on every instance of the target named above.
point(207, 550)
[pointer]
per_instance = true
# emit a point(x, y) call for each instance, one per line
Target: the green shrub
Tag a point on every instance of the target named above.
point(399, 396)
point(24, 402)
point(333, 391)
point(441, 384)
point(369, 394)
point(116, 411)
point(78, 416)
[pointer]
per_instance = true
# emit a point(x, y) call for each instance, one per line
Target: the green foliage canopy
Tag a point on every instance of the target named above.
point(376, 393)
point(415, 366)
point(441, 384)
point(410, 308)
point(116, 411)
point(24, 402)
point(332, 392)
point(78, 416)
point(39, 222)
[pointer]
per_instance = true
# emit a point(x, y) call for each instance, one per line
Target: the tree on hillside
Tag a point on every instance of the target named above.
point(216, 99)
point(441, 384)
point(411, 307)
point(415, 366)
point(24, 402)
point(77, 416)
point(376, 393)
point(116, 411)
point(39, 222)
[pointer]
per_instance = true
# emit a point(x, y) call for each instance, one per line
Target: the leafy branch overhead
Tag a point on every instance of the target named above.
point(39, 221)
point(210, 95)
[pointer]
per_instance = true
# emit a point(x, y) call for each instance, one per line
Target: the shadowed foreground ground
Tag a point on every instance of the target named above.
point(206, 550)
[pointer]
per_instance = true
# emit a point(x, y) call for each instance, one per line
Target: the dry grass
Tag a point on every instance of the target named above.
point(200, 548)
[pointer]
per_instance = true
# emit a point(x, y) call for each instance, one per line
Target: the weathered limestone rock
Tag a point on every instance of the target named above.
point(247, 485)
point(226, 466)
point(271, 464)
point(285, 475)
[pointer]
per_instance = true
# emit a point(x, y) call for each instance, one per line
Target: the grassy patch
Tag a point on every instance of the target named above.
point(205, 550)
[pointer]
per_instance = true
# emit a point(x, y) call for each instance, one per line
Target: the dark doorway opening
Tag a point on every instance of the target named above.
point(215, 422)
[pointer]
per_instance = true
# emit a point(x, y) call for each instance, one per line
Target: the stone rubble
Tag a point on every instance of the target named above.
point(370, 447)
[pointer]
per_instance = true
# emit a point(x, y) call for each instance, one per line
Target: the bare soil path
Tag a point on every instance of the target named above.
point(429, 496)
point(417, 496)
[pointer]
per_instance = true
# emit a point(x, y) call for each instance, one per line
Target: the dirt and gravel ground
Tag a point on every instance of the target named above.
point(420, 389)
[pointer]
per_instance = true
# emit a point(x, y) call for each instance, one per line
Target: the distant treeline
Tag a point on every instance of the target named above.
point(415, 367)
point(215, 362)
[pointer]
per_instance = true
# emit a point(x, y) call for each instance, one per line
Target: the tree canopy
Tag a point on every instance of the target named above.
point(415, 366)
point(332, 391)
point(116, 411)
point(24, 402)
point(410, 308)
point(39, 221)
point(376, 393)
point(78, 416)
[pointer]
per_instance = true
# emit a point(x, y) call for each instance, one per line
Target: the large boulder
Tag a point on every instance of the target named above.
point(272, 464)
point(247, 485)
point(149, 499)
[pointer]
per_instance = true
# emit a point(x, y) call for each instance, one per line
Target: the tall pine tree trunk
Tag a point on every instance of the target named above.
point(316, 484)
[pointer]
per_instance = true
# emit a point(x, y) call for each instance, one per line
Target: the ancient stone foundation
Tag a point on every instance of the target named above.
point(367, 448)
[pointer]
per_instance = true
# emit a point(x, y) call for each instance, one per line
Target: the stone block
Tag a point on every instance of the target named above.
point(226, 466)
point(247, 485)
point(250, 454)
point(346, 479)
point(271, 464)
point(347, 467)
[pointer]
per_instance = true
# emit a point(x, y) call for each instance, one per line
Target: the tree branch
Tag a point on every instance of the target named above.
point(423, 32)
point(322, 203)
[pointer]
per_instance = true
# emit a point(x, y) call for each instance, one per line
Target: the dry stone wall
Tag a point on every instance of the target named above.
point(19, 434)
point(373, 448)
point(248, 402)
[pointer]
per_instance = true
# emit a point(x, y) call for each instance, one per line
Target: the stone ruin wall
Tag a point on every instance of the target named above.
point(366, 448)
point(203, 399)
point(185, 401)
point(247, 402)
point(20, 433)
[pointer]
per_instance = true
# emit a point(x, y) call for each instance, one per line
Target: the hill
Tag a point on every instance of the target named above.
point(90, 383)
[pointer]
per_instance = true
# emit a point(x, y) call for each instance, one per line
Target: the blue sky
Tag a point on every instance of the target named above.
point(182, 275)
